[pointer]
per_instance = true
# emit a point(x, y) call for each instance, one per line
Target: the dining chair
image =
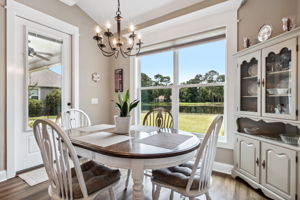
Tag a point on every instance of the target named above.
point(159, 117)
point(191, 180)
point(84, 181)
point(74, 118)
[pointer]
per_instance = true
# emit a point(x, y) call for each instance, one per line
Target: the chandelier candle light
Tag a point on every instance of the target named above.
point(115, 45)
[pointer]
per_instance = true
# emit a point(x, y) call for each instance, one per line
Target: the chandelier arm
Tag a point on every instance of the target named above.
point(124, 54)
point(107, 52)
point(109, 43)
point(107, 55)
point(128, 53)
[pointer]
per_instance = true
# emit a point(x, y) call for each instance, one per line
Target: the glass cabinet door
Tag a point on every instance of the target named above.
point(279, 80)
point(249, 84)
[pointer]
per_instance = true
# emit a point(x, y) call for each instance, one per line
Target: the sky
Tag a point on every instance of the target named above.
point(56, 68)
point(193, 60)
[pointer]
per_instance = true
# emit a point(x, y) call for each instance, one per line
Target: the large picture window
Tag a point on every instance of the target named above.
point(189, 81)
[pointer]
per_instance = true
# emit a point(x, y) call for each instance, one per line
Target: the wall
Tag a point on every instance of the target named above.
point(90, 59)
point(252, 15)
point(2, 85)
point(256, 13)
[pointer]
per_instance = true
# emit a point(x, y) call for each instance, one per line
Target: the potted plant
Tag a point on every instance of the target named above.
point(123, 120)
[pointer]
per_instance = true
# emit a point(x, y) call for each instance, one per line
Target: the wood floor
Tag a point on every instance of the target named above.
point(224, 188)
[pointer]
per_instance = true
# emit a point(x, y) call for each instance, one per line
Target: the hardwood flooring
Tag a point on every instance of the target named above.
point(224, 188)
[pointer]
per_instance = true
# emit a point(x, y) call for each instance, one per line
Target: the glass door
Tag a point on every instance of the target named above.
point(279, 80)
point(249, 84)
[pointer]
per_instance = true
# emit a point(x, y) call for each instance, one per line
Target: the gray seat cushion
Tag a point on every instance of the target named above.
point(176, 176)
point(96, 177)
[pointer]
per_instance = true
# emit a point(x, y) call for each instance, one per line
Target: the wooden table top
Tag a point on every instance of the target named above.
point(134, 148)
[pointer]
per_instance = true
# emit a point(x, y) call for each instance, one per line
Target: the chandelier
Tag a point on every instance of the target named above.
point(115, 44)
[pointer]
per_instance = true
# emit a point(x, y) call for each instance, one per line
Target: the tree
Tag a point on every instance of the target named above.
point(146, 80)
point(161, 80)
point(35, 107)
point(53, 102)
point(211, 76)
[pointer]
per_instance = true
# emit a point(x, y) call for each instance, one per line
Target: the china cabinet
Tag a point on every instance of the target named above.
point(267, 101)
point(268, 81)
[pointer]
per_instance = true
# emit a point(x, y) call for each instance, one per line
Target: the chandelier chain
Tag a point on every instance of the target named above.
point(119, 11)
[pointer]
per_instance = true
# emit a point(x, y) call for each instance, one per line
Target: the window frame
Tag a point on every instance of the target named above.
point(176, 86)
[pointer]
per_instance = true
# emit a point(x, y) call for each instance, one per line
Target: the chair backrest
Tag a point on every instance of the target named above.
point(74, 118)
point(206, 153)
point(58, 154)
point(159, 117)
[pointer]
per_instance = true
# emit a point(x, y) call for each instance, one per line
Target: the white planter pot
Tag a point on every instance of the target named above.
point(122, 124)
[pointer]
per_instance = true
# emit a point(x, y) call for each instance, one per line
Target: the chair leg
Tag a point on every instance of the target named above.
point(172, 195)
point(127, 179)
point(207, 196)
point(157, 193)
point(112, 194)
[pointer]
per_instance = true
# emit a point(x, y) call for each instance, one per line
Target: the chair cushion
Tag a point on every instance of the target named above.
point(177, 176)
point(96, 177)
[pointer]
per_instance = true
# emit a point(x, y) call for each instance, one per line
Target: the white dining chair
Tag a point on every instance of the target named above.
point(191, 180)
point(74, 118)
point(84, 181)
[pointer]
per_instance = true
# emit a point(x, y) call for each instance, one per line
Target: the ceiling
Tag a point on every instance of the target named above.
point(133, 11)
point(45, 47)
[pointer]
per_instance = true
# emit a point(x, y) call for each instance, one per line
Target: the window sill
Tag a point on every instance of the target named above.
point(222, 141)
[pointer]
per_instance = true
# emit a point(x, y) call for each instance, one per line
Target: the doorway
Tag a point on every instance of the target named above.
point(42, 84)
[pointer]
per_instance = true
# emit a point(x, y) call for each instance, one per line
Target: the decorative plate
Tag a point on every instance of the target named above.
point(252, 89)
point(252, 70)
point(264, 33)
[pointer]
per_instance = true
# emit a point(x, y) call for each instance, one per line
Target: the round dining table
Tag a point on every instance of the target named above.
point(142, 149)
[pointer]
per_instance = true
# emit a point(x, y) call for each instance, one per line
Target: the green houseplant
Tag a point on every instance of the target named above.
point(123, 120)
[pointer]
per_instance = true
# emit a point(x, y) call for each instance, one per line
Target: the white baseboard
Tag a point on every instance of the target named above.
point(222, 167)
point(3, 175)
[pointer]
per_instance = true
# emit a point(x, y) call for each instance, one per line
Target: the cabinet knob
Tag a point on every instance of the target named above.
point(263, 82)
point(263, 164)
point(257, 161)
point(258, 82)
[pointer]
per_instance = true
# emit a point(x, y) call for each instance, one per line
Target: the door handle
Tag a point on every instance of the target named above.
point(263, 82)
point(257, 161)
point(264, 164)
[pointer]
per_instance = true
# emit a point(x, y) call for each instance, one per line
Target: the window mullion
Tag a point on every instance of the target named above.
point(175, 90)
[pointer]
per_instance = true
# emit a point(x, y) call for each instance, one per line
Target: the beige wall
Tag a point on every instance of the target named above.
point(120, 63)
point(90, 59)
point(255, 13)
point(2, 85)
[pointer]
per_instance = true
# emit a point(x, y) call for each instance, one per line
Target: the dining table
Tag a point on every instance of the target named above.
point(143, 148)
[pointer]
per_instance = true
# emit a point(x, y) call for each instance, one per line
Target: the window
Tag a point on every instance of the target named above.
point(189, 81)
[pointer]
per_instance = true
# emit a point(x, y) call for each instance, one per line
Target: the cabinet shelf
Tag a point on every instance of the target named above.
point(279, 72)
point(278, 95)
point(249, 77)
point(249, 96)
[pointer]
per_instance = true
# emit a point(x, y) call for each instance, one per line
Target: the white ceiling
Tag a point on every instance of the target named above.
point(133, 11)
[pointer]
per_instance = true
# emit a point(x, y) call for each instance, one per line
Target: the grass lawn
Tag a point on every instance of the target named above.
point(193, 122)
point(32, 119)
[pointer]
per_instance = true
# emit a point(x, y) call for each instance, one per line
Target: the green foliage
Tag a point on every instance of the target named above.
point(53, 102)
point(35, 107)
point(188, 95)
point(124, 106)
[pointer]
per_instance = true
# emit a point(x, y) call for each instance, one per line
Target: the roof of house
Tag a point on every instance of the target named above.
point(45, 78)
